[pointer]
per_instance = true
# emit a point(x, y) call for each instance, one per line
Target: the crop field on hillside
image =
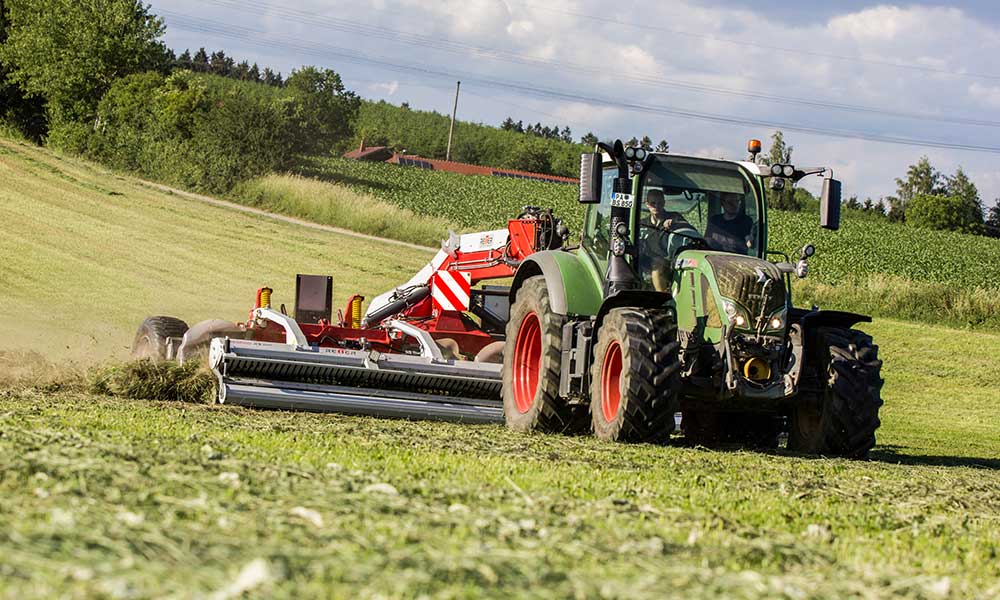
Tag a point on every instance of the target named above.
point(860, 247)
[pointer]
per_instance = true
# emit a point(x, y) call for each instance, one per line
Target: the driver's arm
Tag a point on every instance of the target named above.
point(676, 220)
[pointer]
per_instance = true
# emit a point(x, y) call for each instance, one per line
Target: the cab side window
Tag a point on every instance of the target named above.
point(598, 226)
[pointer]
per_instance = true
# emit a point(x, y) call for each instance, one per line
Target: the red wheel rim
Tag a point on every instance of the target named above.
point(611, 377)
point(527, 362)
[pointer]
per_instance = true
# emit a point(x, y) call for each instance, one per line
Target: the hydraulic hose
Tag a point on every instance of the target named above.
point(404, 300)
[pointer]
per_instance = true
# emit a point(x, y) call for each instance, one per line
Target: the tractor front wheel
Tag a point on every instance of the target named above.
point(837, 415)
point(531, 366)
point(153, 336)
point(634, 378)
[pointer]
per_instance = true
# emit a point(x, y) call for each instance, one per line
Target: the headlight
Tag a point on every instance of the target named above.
point(789, 170)
point(777, 321)
point(640, 154)
point(736, 313)
point(776, 170)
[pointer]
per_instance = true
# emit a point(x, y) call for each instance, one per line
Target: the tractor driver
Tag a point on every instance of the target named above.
point(731, 230)
point(655, 233)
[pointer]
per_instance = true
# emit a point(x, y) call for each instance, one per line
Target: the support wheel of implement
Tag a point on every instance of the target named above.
point(838, 416)
point(635, 376)
point(531, 366)
point(153, 336)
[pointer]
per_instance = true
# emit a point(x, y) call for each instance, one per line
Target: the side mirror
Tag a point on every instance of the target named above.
point(829, 205)
point(590, 178)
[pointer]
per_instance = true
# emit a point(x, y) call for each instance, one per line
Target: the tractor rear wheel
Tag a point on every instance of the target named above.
point(635, 376)
point(532, 361)
point(838, 416)
point(152, 337)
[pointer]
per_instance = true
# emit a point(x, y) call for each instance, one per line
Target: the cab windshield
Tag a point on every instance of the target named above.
point(706, 199)
point(696, 200)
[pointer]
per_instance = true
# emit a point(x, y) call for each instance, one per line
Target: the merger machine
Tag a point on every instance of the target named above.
point(671, 303)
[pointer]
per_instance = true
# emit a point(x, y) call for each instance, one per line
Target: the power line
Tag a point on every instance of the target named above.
point(446, 45)
point(752, 44)
point(351, 55)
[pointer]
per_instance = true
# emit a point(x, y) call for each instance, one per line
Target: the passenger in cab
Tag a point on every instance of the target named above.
point(732, 229)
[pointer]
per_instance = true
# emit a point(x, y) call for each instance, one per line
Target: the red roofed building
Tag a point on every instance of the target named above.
point(383, 154)
point(370, 153)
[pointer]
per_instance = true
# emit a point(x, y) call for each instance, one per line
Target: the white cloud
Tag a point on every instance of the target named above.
point(388, 88)
point(987, 95)
point(520, 28)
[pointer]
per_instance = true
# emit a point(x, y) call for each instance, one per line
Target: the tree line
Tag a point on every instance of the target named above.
point(924, 197)
point(425, 133)
point(217, 63)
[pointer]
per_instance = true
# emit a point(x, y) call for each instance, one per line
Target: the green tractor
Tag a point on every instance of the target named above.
point(672, 303)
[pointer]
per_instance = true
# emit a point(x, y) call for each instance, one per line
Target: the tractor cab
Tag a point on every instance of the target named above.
point(649, 208)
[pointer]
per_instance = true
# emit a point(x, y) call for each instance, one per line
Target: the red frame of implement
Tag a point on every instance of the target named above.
point(481, 265)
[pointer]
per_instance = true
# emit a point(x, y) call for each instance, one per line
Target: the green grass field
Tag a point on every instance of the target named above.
point(123, 498)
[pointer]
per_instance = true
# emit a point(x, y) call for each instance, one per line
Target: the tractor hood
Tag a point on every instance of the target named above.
point(742, 279)
point(713, 290)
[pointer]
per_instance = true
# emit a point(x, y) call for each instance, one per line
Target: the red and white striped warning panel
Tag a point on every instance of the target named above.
point(450, 290)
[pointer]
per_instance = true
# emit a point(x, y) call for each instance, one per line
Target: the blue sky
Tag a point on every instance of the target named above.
point(842, 79)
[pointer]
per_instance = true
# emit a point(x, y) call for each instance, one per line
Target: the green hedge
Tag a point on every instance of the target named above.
point(209, 133)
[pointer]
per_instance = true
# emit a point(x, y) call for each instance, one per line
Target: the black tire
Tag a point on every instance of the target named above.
point(151, 338)
point(837, 413)
point(532, 360)
point(635, 376)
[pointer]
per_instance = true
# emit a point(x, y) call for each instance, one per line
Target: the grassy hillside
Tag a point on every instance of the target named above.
point(112, 497)
point(89, 254)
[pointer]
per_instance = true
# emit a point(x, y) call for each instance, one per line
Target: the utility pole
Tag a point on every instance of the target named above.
point(451, 130)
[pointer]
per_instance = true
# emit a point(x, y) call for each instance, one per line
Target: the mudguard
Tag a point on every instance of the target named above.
point(574, 288)
point(811, 320)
